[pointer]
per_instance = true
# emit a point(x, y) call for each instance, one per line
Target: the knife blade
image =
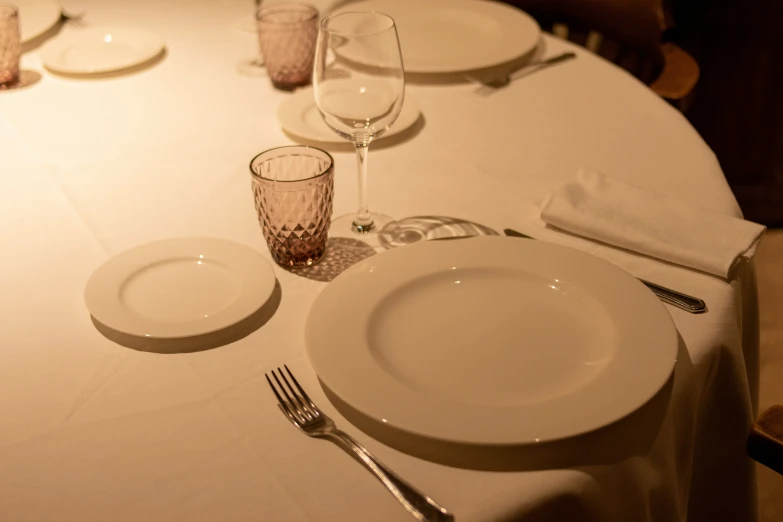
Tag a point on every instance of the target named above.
point(682, 301)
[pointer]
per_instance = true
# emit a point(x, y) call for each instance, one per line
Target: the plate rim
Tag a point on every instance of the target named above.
point(51, 50)
point(254, 293)
point(53, 13)
point(665, 330)
point(504, 12)
point(297, 103)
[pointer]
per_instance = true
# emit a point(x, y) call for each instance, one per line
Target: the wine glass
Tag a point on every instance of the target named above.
point(359, 97)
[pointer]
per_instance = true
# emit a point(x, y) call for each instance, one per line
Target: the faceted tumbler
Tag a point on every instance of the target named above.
point(287, 35)
point(293, 188)
point(10, 45)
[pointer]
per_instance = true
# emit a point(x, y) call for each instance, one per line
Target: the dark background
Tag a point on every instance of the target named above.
point(738, 102)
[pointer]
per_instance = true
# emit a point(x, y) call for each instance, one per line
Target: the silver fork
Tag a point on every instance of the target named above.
point(305, 415)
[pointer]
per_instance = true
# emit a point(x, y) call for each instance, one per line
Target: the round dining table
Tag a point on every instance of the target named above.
point(96, 427)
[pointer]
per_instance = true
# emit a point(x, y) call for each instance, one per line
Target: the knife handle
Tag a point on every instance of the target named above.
point(685, 302)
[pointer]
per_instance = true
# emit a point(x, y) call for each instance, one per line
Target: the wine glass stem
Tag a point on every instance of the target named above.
point(363, 222)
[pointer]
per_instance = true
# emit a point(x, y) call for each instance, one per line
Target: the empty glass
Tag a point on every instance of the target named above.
point(359, 97)
point(287, 35)
point(293, 189)
point(10, 45)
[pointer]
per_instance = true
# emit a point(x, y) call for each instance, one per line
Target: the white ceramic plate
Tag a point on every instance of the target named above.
point(36, 17)
point(440, 36)
point(299, 115)
point(490, 341)
point(179, 287)
point(101, 49)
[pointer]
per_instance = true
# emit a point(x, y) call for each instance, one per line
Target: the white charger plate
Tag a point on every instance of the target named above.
point(179, 287)
point(442, 36)
point(299, 115)
point(101, 49)
point(490, 341)
point(36, 17)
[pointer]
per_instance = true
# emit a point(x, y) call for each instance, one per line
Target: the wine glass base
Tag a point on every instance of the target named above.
point(378, 236)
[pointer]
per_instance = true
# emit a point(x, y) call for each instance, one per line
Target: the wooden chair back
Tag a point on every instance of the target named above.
point(765, 440)
point(625, 32)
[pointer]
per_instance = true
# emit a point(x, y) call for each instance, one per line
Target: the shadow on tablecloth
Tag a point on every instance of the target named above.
point(632, 436)
point(343, 253)
point(340, 255)
point(26, 79)
point(425, 228)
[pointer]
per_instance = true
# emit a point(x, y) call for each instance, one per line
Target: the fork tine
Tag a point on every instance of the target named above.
point(304, 393)
point(303, 416)
point(283, 404)
point(302, 405)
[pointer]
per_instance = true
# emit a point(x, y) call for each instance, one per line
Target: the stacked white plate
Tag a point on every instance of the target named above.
point(488, 342)
point(448, 36)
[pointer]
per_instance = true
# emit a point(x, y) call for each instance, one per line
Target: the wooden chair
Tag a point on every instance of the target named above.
point(626, 32)
point(765, 441)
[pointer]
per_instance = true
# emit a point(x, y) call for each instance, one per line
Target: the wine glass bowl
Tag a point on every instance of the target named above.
point(359, 114)
point(359, 96)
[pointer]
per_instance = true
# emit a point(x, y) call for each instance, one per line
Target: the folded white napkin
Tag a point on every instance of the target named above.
point(599, 207)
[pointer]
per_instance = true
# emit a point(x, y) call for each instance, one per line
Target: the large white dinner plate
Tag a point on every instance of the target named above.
point(101, 49)
point(490, 341)
point(179, 287)
point(36, 17)
point(441, 36)
point(299, 116)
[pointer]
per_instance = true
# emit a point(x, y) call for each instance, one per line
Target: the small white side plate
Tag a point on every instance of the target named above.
point(101, 49)
point(299, 115)
point(179, 287)
point(36, 17)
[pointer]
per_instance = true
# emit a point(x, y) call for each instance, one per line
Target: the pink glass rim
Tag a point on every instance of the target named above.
point(326, 20)
point(325, 171)
point(281, 8)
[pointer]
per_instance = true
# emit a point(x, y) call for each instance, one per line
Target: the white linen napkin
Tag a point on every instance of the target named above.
point(605, 209)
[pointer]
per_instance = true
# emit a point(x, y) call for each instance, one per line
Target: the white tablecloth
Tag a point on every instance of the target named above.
point(94, 431)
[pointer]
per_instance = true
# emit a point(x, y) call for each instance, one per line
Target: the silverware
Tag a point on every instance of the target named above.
point(685, 302)
point(306, 416)
point(521, 71)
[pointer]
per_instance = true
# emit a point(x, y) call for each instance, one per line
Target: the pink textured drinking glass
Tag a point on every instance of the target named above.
point(10, 45)
point(293, 188)
point(287, 34)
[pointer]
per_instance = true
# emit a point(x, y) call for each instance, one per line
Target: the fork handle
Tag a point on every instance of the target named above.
point(528, 68)
point(414, 501)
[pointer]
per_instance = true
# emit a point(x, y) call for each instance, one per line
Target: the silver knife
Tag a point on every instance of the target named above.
point(685, 302)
